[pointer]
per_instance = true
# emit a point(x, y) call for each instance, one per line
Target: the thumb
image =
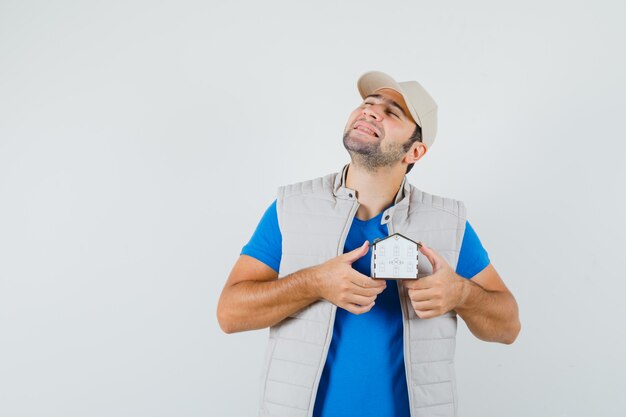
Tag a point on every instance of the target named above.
point(357, 253)
point(433, 257)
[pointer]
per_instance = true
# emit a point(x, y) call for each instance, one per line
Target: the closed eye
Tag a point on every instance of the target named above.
point(387, 111)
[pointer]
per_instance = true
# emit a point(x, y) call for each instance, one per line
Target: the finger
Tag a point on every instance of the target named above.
point(360, 309)
point(373, 283)
point(366, 292)
point(424, 305)
point(357, 253)
point(364, 281)
point(360, 300)
point(433, 257)
point(427, 314)
point(423, 295)
point(418, 284)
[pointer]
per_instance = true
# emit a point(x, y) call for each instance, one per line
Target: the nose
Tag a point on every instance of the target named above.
point(372, 111)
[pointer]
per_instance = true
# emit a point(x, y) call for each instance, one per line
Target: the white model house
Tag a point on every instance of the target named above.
point(395, 257)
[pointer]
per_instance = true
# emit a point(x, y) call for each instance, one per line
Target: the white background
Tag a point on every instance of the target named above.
point(140, 143)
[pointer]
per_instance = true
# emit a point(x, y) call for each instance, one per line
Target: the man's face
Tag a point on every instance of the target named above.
point(377, 131)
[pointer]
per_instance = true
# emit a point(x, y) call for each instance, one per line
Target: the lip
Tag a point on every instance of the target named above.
point(367, 126)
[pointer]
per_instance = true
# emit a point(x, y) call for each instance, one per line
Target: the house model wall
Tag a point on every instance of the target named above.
point(395, 257)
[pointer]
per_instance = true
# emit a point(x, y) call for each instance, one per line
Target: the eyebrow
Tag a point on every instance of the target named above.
point(390, 102)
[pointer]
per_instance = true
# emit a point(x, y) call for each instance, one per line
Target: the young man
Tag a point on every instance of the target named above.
point(342, 343)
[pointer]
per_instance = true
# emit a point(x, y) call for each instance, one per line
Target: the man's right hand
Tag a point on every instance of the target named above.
point(254, 298)
point(344, 286)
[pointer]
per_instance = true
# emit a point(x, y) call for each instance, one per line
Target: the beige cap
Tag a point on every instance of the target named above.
point(421, 105)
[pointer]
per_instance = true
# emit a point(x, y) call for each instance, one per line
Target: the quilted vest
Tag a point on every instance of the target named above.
point(314, 218)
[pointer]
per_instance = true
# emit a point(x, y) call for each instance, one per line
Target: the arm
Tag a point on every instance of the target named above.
point(254, 297)
point(488, 307)
point(484, 302)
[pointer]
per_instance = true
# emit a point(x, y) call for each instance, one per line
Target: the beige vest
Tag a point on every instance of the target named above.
point(314, 218)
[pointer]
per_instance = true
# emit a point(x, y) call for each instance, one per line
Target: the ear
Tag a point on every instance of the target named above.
point(415, 153)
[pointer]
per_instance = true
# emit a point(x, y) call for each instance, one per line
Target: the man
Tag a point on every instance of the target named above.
point(342, 343)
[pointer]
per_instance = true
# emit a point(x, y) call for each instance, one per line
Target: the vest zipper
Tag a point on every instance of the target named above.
point(329, 336)
point(405, 331)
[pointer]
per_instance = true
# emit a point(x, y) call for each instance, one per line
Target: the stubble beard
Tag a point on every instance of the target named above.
point(371, 155)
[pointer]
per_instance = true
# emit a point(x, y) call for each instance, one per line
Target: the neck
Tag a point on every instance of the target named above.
point(375, 190)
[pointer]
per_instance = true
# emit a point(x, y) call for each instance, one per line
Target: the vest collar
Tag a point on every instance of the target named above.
point(341, 191)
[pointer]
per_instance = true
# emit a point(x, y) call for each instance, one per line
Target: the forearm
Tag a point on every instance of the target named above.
point(250, 305)
point(490, 315)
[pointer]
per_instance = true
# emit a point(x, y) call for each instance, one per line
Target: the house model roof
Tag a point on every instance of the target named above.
point(395, 257)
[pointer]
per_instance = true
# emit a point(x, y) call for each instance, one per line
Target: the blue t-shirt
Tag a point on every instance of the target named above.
point(364, 371)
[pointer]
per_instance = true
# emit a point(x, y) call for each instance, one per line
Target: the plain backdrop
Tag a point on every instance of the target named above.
point(141, 141)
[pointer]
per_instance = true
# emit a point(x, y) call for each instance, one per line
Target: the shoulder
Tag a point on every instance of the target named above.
point(322, 186)
point(425, 201)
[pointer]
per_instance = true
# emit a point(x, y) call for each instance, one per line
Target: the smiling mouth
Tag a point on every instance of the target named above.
point(366, 130)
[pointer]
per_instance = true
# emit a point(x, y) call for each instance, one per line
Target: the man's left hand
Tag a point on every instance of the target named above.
point(438, 293)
